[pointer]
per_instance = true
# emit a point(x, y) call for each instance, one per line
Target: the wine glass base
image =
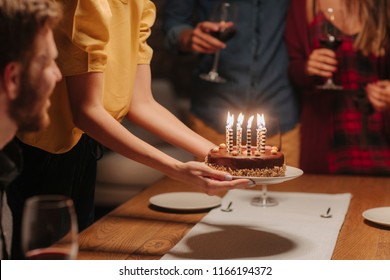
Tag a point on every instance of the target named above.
point(212, 77)
point(264, 201)
point(330, 86)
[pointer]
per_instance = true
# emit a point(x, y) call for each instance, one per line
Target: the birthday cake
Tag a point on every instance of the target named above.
point(270, 163)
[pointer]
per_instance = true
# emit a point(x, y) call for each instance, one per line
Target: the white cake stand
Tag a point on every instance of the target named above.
point(264, 200)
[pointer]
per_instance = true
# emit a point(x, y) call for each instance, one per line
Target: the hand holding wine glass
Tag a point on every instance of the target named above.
point(225, 14)
point(330, 38)
point(200, 40)
point(49, 228)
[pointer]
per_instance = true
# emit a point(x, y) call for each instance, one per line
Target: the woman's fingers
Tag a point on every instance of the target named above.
point(379, 95)
point(210, 180)
point(322, 62)
point(212, 186)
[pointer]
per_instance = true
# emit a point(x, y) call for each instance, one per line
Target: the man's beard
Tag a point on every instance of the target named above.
point(23, 109)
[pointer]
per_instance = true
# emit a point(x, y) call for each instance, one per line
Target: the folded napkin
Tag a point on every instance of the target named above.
point(293, 229)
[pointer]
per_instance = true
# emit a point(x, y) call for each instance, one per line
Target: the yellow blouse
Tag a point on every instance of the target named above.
point(106, 36)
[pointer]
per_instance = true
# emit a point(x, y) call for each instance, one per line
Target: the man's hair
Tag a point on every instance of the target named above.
point(20, 22)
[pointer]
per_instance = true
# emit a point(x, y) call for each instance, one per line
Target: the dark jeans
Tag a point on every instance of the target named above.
point(72, 174)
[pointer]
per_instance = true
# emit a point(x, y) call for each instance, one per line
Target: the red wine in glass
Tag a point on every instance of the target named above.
point(48, 254)
point(330, 39)
point(224, 35)
point(49, 228)
point(224, 14)
point(332, 44)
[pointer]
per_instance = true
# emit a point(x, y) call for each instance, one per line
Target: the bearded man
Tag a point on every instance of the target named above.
point(28, 75)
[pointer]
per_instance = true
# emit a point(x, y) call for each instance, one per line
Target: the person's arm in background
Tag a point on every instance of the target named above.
point(182, 35)
point(378, 94)
point(304, 65)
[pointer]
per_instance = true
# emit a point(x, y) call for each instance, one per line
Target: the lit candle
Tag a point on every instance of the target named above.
point(261, 133)
point(240, 119)
point(229, 132)
point(249, 136)
point(258, 132)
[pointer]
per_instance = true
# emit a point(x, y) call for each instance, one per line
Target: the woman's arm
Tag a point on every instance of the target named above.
point(85, 92)
point(149, 114)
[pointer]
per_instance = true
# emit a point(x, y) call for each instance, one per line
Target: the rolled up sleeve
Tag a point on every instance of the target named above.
point(84, 34)
point(148, 17)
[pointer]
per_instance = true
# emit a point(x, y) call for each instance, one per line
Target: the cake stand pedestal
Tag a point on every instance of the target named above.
point(264, 200)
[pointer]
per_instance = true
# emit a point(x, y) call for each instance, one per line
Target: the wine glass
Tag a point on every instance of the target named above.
point(49, 228)
point(330, 38)
point(225, 14)
point(274, 139)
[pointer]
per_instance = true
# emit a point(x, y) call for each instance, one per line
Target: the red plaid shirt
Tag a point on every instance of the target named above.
point(341, 133)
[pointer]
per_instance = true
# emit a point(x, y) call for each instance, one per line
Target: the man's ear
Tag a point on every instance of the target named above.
point(11, 79)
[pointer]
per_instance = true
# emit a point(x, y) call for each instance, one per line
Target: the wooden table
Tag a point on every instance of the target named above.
point(135, 230)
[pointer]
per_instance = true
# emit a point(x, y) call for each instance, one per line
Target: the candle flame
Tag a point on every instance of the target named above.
point(230, 120)
point(250, 120)
point(260, 121)
point(240, 120)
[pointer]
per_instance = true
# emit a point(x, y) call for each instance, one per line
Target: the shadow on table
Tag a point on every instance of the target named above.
point(234, 242)
point(181, 211)
point(379, 226)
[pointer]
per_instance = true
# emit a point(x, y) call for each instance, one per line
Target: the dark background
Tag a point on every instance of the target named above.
point(176, 68)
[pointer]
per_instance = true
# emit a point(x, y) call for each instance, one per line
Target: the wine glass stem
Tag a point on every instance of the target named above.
point(215, 63)
point(329, 81)
point(264, 193)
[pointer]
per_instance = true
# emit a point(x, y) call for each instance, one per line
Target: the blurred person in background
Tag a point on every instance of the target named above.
point(343, 131)
point(28, 74)
point(254, 63)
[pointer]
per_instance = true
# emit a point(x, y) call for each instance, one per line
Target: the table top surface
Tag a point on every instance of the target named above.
point(137, 230)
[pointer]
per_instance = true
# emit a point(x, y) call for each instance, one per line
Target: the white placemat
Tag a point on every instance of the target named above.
point(291, 230)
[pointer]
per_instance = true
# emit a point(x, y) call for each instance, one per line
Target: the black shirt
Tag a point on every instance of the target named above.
point(10, 167)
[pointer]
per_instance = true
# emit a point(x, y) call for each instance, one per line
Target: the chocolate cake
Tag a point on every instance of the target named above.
point(268, 164)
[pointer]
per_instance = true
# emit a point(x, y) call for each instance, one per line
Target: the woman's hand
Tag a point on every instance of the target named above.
point(210, 180)
point(321, 62)
point(378, 94)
